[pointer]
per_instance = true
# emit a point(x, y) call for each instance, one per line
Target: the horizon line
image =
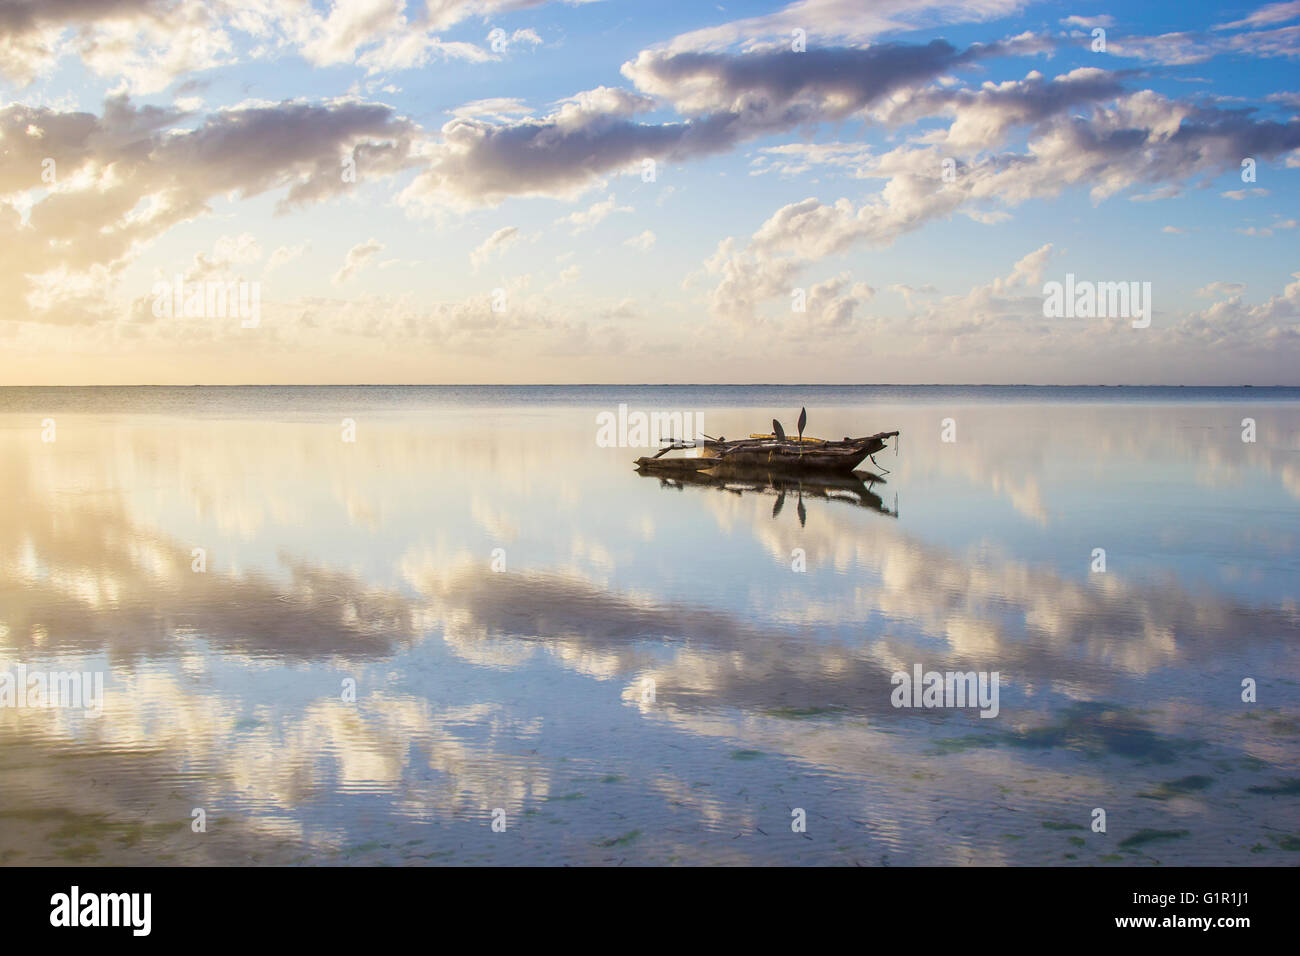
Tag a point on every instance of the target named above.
point(651, 385)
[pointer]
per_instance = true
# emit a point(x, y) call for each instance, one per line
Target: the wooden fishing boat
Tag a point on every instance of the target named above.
point(789, 456)
point(774, 453)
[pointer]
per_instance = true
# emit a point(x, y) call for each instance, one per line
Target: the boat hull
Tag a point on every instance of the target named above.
point(772, 455)
point(793, 458)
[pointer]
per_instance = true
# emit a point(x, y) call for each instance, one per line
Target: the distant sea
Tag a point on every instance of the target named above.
point(169, 398)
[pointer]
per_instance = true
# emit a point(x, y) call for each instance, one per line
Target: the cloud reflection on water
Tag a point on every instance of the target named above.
point(327, 560)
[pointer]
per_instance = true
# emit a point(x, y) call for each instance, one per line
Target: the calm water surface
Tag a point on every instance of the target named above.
point(647, 679)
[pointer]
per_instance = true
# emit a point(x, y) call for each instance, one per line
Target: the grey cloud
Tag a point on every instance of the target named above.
point(126, 177)
point(727, 99)
point(780, 88)
point(981, 117)
point(560, 154)
point(21, 16)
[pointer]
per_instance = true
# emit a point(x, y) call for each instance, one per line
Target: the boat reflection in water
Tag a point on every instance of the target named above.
point(854, 488)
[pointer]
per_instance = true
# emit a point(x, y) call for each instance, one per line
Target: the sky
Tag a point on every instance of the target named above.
point(523, 191)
